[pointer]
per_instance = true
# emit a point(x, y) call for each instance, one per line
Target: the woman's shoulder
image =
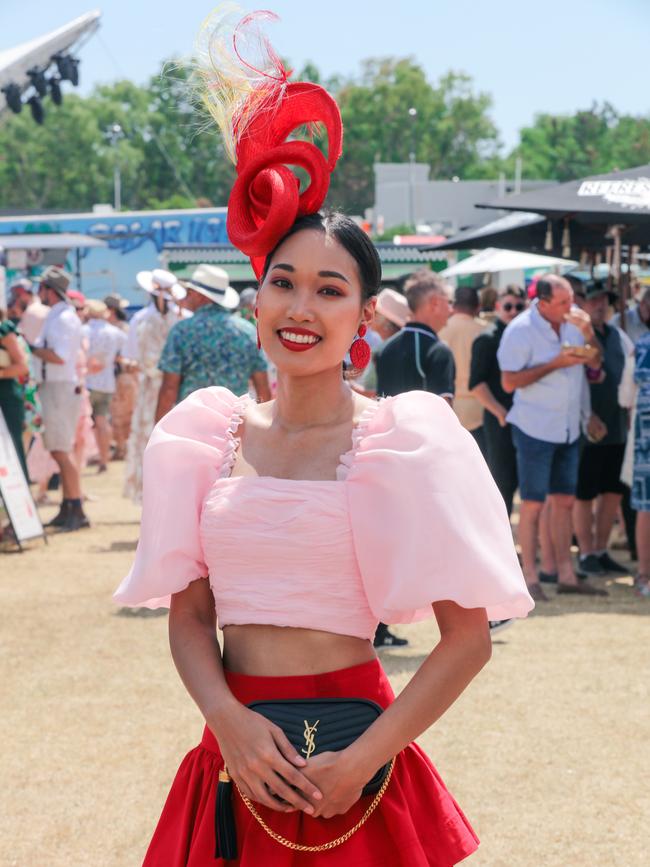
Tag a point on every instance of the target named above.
point(415, 408)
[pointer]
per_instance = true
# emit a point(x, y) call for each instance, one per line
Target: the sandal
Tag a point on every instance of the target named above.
point(537, 592)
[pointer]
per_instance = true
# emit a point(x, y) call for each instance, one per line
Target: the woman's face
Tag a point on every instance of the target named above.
point(310, 304)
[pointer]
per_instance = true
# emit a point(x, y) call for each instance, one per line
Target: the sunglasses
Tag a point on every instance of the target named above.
point(519, 306)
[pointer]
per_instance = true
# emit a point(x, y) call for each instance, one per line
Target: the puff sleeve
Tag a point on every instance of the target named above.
point(183, 458)
point(428, 521)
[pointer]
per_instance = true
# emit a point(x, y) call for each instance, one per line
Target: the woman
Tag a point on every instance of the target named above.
point(13, 370)
point(299, 524)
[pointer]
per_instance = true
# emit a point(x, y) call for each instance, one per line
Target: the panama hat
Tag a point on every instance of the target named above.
point(213, 282)
point(394, 307)
point(161, 282)
point(114, 301)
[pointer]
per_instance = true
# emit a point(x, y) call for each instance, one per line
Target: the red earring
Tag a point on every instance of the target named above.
point(257, 329)
point(360, 350)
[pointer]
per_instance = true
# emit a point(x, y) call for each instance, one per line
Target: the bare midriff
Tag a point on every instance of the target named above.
point(275, 651)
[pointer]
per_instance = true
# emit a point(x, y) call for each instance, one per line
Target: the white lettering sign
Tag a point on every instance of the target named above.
point(15, 491)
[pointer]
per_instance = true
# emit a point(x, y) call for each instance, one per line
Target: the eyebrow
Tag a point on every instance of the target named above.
point(335, 274)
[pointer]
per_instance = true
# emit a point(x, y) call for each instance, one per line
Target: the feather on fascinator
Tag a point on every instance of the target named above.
point(245, 87)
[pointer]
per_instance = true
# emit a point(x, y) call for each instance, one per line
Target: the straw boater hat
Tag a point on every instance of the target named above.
point(394, 307)
point(96, 308)
point(161, 282)
point(213, 283)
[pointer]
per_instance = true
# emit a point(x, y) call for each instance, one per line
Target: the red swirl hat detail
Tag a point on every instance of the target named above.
point(266, 200)
point(258, 110)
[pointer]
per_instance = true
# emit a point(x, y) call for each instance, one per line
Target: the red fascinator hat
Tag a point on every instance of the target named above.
point(246, 89)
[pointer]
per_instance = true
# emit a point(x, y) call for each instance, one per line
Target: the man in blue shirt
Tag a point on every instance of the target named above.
point(212, 347)
point(542, 356)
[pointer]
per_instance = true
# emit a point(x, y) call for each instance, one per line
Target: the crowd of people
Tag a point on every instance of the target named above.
point(553, 387)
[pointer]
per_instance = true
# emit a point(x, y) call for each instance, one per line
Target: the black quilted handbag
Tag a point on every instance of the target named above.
point(312, 726)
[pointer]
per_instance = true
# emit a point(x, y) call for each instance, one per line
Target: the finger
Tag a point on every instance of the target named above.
point(293, 797)
point(262, 796)
point(293, 777)
point(287, 748)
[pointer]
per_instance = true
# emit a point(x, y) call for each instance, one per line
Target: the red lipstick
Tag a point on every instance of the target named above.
point(299, 346)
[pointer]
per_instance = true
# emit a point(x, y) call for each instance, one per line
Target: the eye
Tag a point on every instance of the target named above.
point(330, 290)
point(281, 282)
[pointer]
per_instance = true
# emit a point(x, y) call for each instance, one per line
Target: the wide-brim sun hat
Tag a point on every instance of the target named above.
point(161, 282)
point(213, 282)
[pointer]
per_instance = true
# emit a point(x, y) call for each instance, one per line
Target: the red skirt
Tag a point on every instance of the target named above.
point(417, 822)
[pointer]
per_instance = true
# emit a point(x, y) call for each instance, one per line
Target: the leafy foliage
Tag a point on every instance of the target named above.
point(168, 160)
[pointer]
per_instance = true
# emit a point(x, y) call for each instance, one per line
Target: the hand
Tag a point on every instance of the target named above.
point(596, 428)
point(567, 359)
point(582, 322)
point(501, 413)
point(264, 764)
point(336, 779)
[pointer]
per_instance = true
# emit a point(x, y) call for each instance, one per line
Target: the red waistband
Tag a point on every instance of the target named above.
point(367, 680)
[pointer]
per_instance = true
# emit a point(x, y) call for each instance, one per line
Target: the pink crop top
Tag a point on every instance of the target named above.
point(414, 517)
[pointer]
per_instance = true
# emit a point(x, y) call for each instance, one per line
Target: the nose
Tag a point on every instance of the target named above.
point(299, 309)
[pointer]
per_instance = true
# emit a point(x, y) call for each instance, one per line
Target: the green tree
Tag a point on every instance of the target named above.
point(451, 130)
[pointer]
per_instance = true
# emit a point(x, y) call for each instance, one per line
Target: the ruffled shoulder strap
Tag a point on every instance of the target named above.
point(418, 473)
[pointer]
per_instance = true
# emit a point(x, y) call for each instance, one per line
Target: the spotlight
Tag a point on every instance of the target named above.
point(74, 71)
point(12, 95)
point(36, 106)
point(37, 78)
point(55, 90)
point(68, 67)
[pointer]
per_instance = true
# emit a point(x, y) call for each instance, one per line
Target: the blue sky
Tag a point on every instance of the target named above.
point(553, 55)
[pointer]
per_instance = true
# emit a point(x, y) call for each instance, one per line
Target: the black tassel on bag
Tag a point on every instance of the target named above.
point(224, 819)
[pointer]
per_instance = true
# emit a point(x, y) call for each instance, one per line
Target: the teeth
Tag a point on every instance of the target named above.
point(298, 338)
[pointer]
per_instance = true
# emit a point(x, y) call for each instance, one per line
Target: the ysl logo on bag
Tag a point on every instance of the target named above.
point(309, 735)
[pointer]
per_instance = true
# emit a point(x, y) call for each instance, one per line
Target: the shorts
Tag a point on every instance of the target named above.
point(417, 823)
point(100, 401)
point(61, 405)
point(600, 470)
point(545, 468)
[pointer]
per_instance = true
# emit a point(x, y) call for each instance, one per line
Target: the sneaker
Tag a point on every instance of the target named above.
point(389, 640)
point(610, 565)
point(590, 565)
point(500, 625)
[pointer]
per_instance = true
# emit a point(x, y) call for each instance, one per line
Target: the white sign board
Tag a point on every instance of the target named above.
point(15, 491)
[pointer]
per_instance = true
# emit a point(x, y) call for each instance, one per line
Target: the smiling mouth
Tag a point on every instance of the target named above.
point(298, 341)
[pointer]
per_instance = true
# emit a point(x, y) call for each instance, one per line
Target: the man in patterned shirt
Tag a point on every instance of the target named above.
point(212, 347)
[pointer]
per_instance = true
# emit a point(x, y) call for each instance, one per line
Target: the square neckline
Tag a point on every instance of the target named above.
point(345, 463)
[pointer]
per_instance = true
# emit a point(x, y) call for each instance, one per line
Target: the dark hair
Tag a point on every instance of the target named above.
point(350, 236)
point(576, 283)
point(466, 296)
point(420, 285)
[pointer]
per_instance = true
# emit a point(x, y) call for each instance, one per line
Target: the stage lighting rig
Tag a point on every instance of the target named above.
point(68, 67)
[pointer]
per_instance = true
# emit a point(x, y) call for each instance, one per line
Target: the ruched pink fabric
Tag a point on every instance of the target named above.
point(413, 518)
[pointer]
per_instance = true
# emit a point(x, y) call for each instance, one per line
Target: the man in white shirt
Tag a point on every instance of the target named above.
point(105, 343)
point(58, 348)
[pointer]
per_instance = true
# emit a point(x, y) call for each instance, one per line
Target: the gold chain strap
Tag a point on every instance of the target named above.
point(323, 847)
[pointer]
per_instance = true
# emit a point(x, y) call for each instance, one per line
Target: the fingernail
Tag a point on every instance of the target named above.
point(299, 760)
point(309, 810)
point(318, 796)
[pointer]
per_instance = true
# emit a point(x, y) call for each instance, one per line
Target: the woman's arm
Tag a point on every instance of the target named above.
point(463, 650)
point(258, 755)
point(18, 369)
